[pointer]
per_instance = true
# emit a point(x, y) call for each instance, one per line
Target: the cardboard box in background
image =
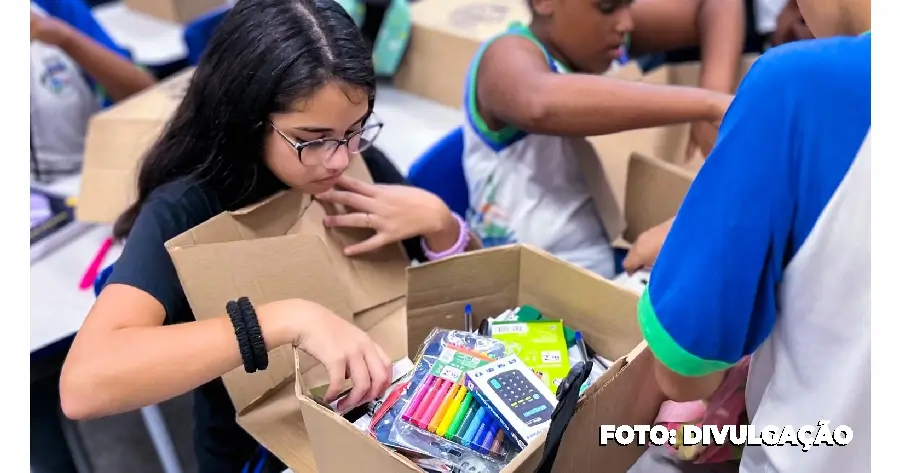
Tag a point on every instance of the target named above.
point(444, 38)
point(666, 143)
point(117, 139)
point(654, 191)
point(492, 281)
point(177, 11)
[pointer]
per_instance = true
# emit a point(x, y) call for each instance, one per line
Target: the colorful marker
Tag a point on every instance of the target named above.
point(426, 401)
point(434, 403)
point(452, 409)
point(464, 409)
point(474, 426)
point(488, 442)
point(417, 399)
point(467, 421)
point(442, 409)
point(479, 435)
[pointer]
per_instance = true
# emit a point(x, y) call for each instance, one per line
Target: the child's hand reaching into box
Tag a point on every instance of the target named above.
point(395, 212)
point(343, 349)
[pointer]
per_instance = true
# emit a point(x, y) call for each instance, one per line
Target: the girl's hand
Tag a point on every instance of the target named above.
point(395, 212)
point(346, 351)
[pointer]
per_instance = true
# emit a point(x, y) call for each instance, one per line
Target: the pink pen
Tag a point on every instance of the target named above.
point(423, 406)
point(416, 401)
point(94, 269)
point(435, 404)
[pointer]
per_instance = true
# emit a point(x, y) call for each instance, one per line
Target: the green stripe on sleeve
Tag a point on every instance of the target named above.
point(666, 349)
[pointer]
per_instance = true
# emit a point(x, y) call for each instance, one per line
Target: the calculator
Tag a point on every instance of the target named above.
point(517, 392)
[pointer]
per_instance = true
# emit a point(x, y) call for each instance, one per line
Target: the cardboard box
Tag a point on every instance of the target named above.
point(176, 11)
point(444, 38)
point(605, 313)
point(278, 249)
point(116, 141)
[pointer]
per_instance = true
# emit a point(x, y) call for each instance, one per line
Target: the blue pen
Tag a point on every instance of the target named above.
point(473, 427)
point(468, 319)
point(480, 435)
point(489, 437)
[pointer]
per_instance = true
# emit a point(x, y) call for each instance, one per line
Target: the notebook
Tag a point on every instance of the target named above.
point(53, 223)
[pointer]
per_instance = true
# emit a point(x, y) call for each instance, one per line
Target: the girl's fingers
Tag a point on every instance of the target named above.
point(336, 370)
point(371, 244)
point(348, 199)
point(359, 374)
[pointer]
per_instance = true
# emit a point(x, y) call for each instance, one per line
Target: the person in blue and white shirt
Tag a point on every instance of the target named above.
point(76, 69)
point(782, 207)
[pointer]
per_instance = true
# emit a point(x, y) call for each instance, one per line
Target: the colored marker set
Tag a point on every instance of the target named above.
point(447, 409)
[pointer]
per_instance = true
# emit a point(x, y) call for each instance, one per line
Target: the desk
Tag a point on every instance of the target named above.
point(58, 307)
point(151, 41)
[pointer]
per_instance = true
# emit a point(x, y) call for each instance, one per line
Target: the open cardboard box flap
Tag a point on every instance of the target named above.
point(653, 194)
point(116, 141)
point(279, 249)
point(494, 280)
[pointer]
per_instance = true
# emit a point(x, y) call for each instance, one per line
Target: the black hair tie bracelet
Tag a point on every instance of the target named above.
point(240, 331)
point(254, 332)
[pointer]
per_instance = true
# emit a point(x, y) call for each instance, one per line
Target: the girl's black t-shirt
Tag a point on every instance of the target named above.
point(220, 444)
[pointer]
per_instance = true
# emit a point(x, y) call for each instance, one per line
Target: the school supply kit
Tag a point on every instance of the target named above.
point(475, 398)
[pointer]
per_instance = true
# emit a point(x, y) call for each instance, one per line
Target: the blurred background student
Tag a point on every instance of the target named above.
point(75, 70)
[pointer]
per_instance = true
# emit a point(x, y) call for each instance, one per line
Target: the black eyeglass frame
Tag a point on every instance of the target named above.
point(299, 146)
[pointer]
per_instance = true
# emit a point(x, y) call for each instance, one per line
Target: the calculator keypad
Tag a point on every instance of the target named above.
point(525, 401)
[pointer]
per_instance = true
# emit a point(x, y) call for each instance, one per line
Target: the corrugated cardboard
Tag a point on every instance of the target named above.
point(654, 193)
point(444, 38)
point(279, 249)
point(491, 281)
point(177, 11)
point(667, 143)
point(116, 141)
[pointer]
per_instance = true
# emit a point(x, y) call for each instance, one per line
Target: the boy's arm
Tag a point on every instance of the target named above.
point(717, 26)
point(117, 75)
point(515, 86)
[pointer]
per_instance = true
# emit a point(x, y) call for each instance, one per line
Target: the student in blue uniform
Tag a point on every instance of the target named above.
point(769, 255)
point(75, 70)
point(281, 99)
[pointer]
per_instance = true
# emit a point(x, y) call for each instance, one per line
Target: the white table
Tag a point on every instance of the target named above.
point(151, 40)
point(58, 307)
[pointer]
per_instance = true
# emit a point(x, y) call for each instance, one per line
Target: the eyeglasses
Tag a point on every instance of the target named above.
point(316, 152)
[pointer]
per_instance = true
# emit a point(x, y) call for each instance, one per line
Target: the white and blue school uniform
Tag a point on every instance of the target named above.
point(63, 97)
point(529, 188)
point(769, 255)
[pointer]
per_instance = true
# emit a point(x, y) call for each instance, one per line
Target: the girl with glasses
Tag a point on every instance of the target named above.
point(282, 99)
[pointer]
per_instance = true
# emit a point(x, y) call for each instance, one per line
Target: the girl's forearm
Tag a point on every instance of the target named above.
point(141, 366)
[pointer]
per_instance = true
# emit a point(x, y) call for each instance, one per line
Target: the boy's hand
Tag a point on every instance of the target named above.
point(704, 134)
point(646, 248)
point(703, 138)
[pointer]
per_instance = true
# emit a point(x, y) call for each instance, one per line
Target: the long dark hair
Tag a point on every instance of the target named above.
point(263, 57)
